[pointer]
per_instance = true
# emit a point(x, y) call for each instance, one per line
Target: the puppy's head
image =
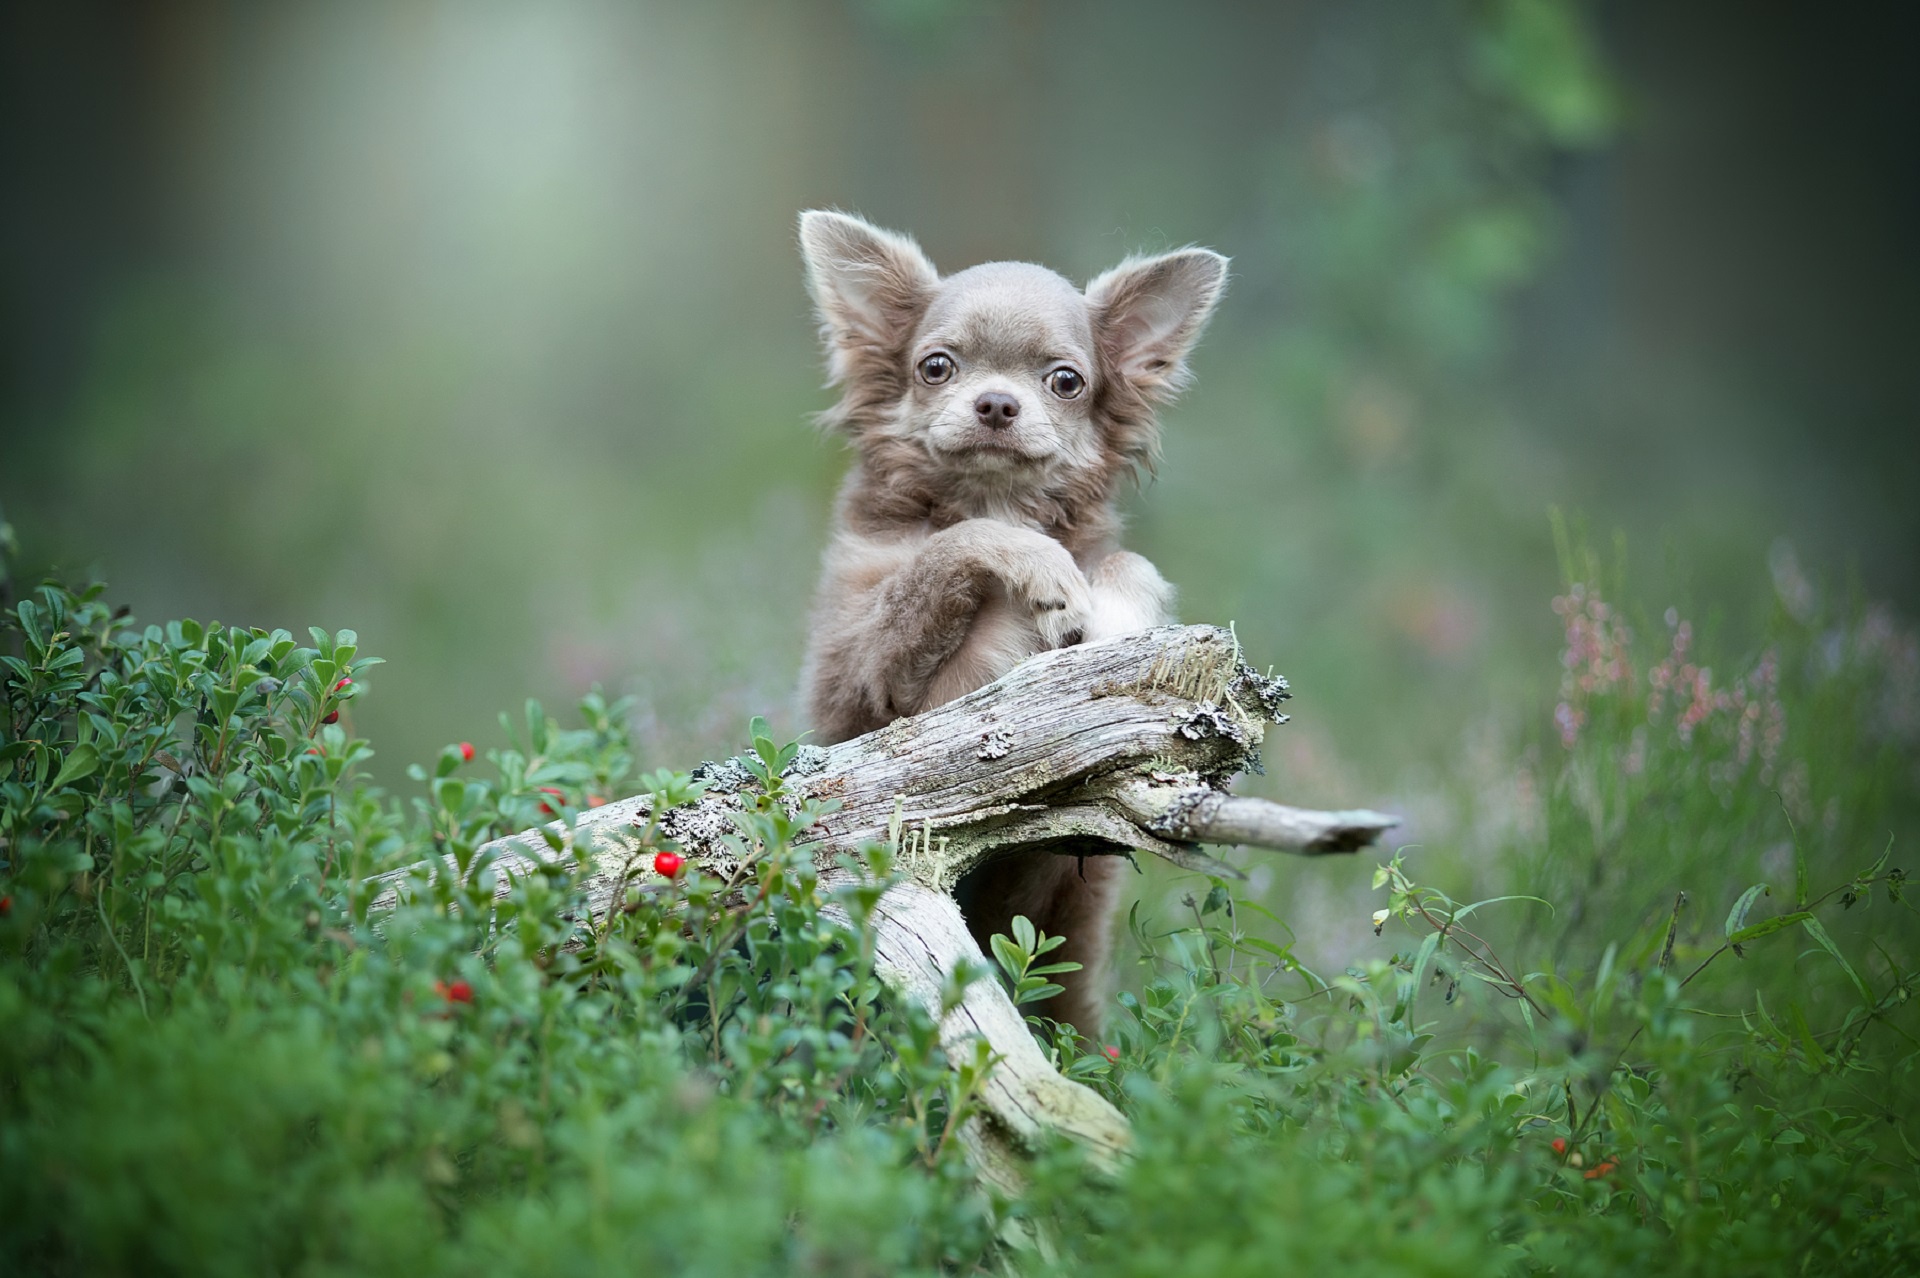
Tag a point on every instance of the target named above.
point(1004, 372)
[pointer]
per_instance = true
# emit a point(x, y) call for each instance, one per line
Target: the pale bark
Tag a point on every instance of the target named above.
point(1127, 744)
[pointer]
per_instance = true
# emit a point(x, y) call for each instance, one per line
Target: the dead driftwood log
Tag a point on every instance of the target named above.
point(1129, 743)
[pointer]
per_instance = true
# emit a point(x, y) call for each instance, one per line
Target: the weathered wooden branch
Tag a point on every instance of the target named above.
point(919, 939)
point(1127, 745)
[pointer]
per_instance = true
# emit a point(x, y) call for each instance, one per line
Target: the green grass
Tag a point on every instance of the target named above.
point(215, 1059)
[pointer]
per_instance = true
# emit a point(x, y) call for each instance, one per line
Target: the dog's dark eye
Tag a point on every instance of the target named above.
point(1066, 383)
point(935, 369)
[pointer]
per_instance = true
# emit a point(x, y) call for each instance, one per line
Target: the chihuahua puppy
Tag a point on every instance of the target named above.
point(994, 413)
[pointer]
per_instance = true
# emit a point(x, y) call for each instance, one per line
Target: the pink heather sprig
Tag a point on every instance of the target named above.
point(1749, 711)
point(1763, 722)
point(1694, 691)
point(1663, 677)
point(1569, 719)
point(1595, 661)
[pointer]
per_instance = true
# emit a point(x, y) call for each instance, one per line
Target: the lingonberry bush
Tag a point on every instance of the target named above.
point(216, 1057)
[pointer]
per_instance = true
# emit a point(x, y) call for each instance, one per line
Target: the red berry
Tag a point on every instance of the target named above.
point(345, 680)
point(6, 906)
point(1559, 1145)
point(331, 716)
point(454, 991)
point(596, 800)
point(668, 864)
point(559, 795)
point(466, 752)
point(1113, 1053)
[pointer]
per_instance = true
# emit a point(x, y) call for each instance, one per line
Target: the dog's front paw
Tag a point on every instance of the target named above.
point(1062, 620)
point(1040, 578)
point(1056, 593)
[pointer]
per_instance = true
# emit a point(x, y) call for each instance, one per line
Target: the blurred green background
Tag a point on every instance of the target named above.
point(479, 327)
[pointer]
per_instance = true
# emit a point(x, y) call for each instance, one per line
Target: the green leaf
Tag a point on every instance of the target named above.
point(1769, 927)
point(763, 744)
point(1008, 955)
point(1604, 978)
point(1737, 917)
point(1881, 863)
point(1024, 934)
point(1774, 1032)
point(1808, 1043)
point(29, 614)
point(1819, 933)
point(80, 763)
point(1495, 900)
point(1034, 990)
point(1425, 956)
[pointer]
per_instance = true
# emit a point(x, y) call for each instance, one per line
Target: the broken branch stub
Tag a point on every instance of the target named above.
point(1125, 745)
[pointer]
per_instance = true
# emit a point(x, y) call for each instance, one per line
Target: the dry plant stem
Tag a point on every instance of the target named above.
point(1505, 981)
point(1125, 745)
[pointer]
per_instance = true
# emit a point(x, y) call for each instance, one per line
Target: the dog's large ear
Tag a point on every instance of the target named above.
point(1147, 313)
point(870, 285)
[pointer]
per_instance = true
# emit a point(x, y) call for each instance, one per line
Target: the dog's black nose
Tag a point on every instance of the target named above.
point(996, 408)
